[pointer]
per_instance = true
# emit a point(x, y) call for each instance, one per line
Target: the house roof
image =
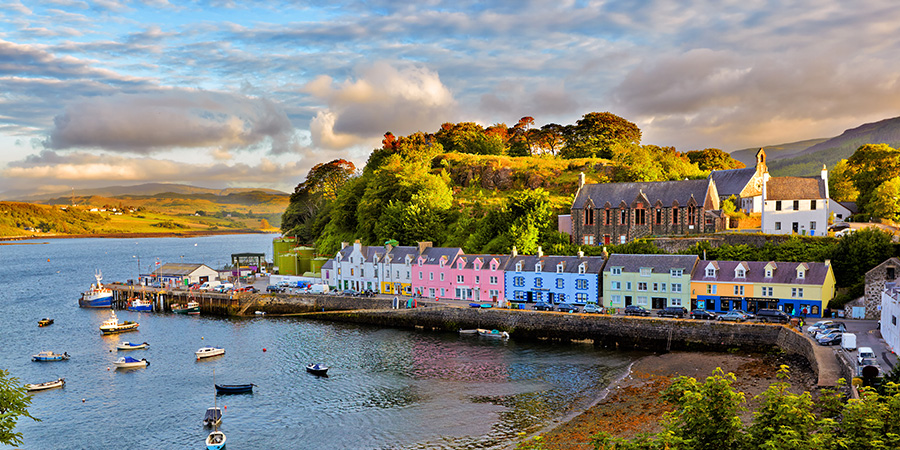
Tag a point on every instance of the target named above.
point(433, 255)
point(667, 192)
point(470, 261)
point(178, 269)
point(398, 254)
point(328, 264)
point(549, 263)
point(851, 206)
point(785, 273)
point(795, 188)
point(732, 182)
point(660, 263)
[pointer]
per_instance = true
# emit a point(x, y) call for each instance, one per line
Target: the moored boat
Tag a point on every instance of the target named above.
point(131, 346)
point(45, 321)
point(97, 296)
point(46, 385)
point(317, 369)
point(213, 417)
point(140, 304)
point(191, 307)
point(112, 325)
point(49, 356)
point(493, 333)
point(472, 331)
point(234, 388)
point(127, 362)
point(215, 440)
point(209, 352)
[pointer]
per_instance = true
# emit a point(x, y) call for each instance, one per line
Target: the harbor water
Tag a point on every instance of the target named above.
point(386, 388)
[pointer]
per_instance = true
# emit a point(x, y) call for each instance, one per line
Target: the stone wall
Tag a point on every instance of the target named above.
point(875, 280)
point(677, 244)
point(291, 304)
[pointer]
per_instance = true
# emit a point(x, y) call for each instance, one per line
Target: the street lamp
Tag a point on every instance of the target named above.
point(139, 267)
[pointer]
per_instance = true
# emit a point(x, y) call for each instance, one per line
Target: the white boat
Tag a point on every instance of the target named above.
point(215, 440)
point(50, 356)
point(213, 417)
point(209, 352)
point(127, 362)
point(97, 296)
point(493, 333)
point(46, 385)
point(473, 331)
point(140, 304)
point(131, 346)
point(112, 325)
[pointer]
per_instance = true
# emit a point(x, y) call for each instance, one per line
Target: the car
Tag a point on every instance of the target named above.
point(839, 326)
point(868, 368)
point(816, 327)
point(772, 315)
point(865, 352)
point(247, 289)
point(635, 310)
point(732, 316)
point(349, 293)
point(702, 314)
point(566, 307)
point(832, 338)
point(542, 306)
point(746, 314)
point(592, 308)
point(274, 288)
point(672, 311)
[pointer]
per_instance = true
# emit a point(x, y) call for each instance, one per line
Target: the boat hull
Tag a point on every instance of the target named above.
point(92, 300)
point(207, 352)
point(215, 441)
point(317, 369)
point(234, 388)
point(44, 386)
point(48, 357)
point(140, 305)
point(121, 328)
point(130, 346)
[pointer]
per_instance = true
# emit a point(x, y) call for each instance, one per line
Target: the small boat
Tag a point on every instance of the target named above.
point(47, 385)
point(213, 417)
point(127, 362)
point(474, 305)
point(49, 356)
point(215, 440)
point(190, 307)
point(209, 352)
point(97, 296)
point(45, 321)
point(140, 304)
point(131, 346)
point(493, 333)
point(317, 369)
point(472, 331)
point(486, 305)
point(112, 325)
point(260, 313)
point(234, 388)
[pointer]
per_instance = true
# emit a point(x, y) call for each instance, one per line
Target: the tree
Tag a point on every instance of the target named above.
point(713, 159)
point(706, 414)
point(519, 137)
point(872, 165)
point(784, 421)
point(594, 135)
point(856, 253)
point(14, 403)
point(840, 182)
point(548, 139)
point(885, 200)
point(321, 185)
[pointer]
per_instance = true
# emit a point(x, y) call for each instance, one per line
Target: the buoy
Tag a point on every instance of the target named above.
point(82, 400)
point(48, 259)
point(201, 338)
point(226, 406)
point(107, 369)
point(264, 350)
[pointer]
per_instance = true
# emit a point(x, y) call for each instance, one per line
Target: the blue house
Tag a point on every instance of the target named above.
point(552, 279)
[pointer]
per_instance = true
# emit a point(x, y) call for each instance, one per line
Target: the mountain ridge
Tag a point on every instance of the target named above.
point(145, 189)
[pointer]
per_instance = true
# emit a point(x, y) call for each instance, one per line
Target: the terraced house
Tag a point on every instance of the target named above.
point(553, 279)
point(795, 288)
point(616, 213)
point(477, 278)
point(394, 269)
point(651, 281)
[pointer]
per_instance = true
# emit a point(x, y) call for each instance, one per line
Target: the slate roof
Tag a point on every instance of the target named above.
point(398, 254)
point(328, 264)
point(785, 273)
point(851, 206)
point(659, 263)
point(470, 261)
point(732, 182)
point(795, 188)
point(666, 192)
point(433, 254)
point(570, 263)
point(178, 269)
point(345, 253)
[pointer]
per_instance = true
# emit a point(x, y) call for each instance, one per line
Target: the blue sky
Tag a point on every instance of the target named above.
point(239, 94)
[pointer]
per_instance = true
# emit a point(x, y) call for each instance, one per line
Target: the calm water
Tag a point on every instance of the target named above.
point(387, 389)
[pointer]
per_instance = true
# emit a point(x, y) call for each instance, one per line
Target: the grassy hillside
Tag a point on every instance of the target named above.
point(147, 189)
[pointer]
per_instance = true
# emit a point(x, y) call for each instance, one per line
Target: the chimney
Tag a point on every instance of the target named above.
point(357, 245)
point(580, 254)
point(604, 254)
point(423, 245)
point(827, 262)
point(540, 252)
point(825, 179)
point(388, 247)
point(514, 252)
point(580, 180)
point(344, 245)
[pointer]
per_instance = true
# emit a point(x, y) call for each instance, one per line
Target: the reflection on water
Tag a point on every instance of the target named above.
point(386, 388)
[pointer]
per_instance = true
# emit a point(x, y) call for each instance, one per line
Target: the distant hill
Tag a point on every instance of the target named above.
point(147, 189)
point(775, 152)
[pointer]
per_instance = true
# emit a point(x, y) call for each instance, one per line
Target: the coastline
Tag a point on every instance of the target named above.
point(10, 240)
point(631, 404)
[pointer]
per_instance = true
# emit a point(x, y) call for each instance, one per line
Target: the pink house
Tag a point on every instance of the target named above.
point(478, 278)
point(431, 272)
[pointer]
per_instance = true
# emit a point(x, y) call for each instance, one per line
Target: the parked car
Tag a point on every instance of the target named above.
point(349, 293)
point(592, 308)
point(772, 315)
point(542, 306)
point(868, 368)
point(832, 338)
point(672, 311)
point(836, 326)
point(746, 314)
point(732, 316)
point(274, 288)
point(816, 327)
point(635, 310)
point(865, 352)
point(566, 307)
point(702, 314)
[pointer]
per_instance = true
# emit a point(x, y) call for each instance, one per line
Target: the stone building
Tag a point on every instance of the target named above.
point(876, 278)
point(616, 213)
point(745, 184)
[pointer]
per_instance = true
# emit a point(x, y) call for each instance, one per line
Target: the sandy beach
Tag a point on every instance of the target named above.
point(632, 405)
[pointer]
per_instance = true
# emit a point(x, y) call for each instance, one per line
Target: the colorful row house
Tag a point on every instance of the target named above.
point(796, 288)
point(553, 279)
point(650, 281)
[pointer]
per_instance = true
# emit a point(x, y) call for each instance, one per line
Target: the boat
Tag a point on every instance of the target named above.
point(112, 325)
point(215, 440)
point(46, 385)
point(317, 369)
point(472, 331)
point(49, 356)
point(234, 388)
point(45, 321)
point(259, 313)
point(191, 307)
point(127, 362)
point(493, 333)
point(97, 296)
point(209, 352)
point(213, 417)
point(131, 346)
point(140, 304)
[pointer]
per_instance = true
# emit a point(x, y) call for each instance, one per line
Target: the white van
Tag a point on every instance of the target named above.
point(865, 352)
point(318, 289)
point(209, 285)
point(848, 341)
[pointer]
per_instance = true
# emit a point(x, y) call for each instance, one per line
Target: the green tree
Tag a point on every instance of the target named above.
point(857, 253)
point(706, 414)
point(14, 403)
point(519, 137)
point(594, 135)
point(840, 182)
point(549, 139)
point(713, 159)
point(885, 200)
point(783, 421)
point(872, 165)
point(321, 185)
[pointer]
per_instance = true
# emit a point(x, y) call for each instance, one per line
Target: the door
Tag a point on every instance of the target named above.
point(627, 300)
point(529, 297)
point(658, 302)
point(551, 296)
point(859, 312)
point(795, 227)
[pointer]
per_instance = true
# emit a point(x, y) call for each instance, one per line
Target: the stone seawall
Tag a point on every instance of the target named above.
point(292, 304)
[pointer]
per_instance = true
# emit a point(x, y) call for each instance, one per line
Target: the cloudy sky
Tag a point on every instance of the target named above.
point(231, 93)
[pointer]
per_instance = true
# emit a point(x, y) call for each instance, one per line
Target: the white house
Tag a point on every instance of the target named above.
point(890, 313)
point(796, 205)
point(354, 267)
point(395, 269)
point(182, 273)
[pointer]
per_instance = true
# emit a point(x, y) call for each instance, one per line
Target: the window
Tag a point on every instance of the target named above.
point(796, 205)
point(658, 216)
point(738, 290)
point(615, 299)
point(676, 288)
point(797, 292)
point(589, 240)
point(801, 274)
point(431, 292)
point(460, 279)
point(616, 271)
point(493, 280)
point(893, 320)
point(711, 289)
point(675, 301)
point(494, 293)
point(692, 213)
point(442, 278)
point(642, 300)
point(538, 296)
point(710, 272)
point(442, 292)
point(662, 287)
point(777, 205)
point(615, 285)
point(645, 271)
point(642, 286)
point(674, 215)
point(622, 239)
point(431, 276)
point(624, 218)
point(812, 225)
point(777, 225)
point(812, 205)
point(351, 271)
point(538, 267)
point(559, 268)
point(519, 295)
point(387, 273)
point(519, 266)
point(767, 291)
point(606, 220)
point(740, 273)
point(538, 282)
point(561, 297)
point(582, 268)
point(676, 273)
point(477, 279)
point(588, 216)
point(581, 284)
point(559, 283)
point(655, 287)
point(518, 281)
point(581, 297)
point(420, 275)
point(640, 217)
point(627, 285)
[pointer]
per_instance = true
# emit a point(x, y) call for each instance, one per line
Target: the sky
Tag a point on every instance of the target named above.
point(230, 93)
